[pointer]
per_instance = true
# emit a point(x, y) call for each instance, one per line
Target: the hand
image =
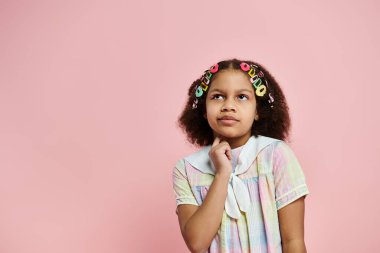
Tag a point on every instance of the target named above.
point(220, 154)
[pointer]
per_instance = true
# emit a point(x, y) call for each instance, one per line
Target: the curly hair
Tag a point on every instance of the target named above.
point(273, 121)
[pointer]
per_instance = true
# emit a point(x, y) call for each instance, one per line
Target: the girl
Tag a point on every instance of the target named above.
point(244, 190)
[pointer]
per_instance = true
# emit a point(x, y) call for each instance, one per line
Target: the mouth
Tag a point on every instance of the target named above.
point(227, 120)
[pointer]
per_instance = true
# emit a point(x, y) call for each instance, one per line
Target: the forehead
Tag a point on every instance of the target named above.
point(230, 80)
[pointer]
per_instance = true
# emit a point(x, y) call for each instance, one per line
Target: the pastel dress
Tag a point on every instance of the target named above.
point(266, 177)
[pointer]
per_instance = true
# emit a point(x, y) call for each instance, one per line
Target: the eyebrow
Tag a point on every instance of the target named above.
point(241, 90)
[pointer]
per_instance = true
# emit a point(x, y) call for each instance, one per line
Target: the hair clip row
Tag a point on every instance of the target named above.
point(205, 81)
point(256, 78)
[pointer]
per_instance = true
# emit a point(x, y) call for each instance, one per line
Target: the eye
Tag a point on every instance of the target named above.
point(216, 96)
point(243, 96)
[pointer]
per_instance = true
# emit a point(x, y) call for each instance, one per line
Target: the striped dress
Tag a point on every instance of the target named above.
point(266, 177)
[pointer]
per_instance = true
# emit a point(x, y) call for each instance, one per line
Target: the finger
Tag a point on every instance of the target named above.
point(228, 152)
point(216, 141)
point(222, 138)
point(225, 148)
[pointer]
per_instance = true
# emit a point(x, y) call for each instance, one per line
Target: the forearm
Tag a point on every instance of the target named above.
point(201, 228)
point(294, 246)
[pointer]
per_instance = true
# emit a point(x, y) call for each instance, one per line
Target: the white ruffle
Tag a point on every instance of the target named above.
point(238, 199)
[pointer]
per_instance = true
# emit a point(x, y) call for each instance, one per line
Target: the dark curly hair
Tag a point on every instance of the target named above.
point(273, 121)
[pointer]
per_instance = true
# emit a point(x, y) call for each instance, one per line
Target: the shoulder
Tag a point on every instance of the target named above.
point(266, 145)
point(200, 161)
point(285, 161)
point(180, 167)
point(193, 161)
point(180, 164)
point(283, 151)
point(280, 144)
point(276, 152)
point(197, 167)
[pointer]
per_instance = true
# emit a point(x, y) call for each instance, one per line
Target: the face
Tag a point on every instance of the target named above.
point(231, 107)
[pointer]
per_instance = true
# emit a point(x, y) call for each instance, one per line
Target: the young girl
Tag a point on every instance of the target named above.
point(244, 190)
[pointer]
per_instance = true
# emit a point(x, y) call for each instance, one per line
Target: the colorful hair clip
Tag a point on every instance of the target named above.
point(244, 66)
point(261, 90)
point(205, 81)
point(195, 103)
point(255, 78)
point(199, 92)
point(271, 99)
point(214, 68)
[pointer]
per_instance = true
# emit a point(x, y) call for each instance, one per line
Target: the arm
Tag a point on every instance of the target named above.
point(291, 219)
point(200, 224)
point(291, 189)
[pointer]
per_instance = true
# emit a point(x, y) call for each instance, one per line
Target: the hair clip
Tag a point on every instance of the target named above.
point(255, 78)
point(195, 103)
point(271, 99)
point(214, 68)
point(205, 81)
point(244, 66)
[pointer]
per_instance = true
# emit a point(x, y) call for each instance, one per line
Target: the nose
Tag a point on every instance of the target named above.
point(228, 105)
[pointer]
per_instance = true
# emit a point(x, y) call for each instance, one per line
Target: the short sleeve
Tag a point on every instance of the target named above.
point(289, 179)
point(181, 186)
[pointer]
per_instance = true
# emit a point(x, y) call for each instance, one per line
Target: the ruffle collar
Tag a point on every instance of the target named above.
point(237, 200)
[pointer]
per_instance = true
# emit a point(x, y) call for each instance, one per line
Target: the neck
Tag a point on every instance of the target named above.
point(236, 142)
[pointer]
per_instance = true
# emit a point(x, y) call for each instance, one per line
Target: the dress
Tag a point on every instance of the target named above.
point(266, 177)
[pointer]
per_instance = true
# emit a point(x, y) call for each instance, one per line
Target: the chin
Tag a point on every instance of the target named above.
point(229, 135)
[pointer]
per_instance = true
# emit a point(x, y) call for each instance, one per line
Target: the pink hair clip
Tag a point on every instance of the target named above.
point(244, 66)
point(214, 68)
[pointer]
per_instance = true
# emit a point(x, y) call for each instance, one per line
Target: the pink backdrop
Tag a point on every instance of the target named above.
point(90, 92)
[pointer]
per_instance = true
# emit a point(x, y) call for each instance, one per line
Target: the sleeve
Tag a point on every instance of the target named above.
point(289, 179)
point(181, 186)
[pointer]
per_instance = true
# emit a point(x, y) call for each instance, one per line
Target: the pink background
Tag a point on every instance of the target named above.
point(90, 92)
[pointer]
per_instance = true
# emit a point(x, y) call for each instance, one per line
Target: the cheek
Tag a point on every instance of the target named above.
point(250, 112)
point(209, 116)
point(210, 109)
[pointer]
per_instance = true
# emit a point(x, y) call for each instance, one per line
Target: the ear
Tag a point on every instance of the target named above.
point(205, 115)
point(256, 117)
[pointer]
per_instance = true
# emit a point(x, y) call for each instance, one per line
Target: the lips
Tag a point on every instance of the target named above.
point(228, 121)
point(228, 118)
